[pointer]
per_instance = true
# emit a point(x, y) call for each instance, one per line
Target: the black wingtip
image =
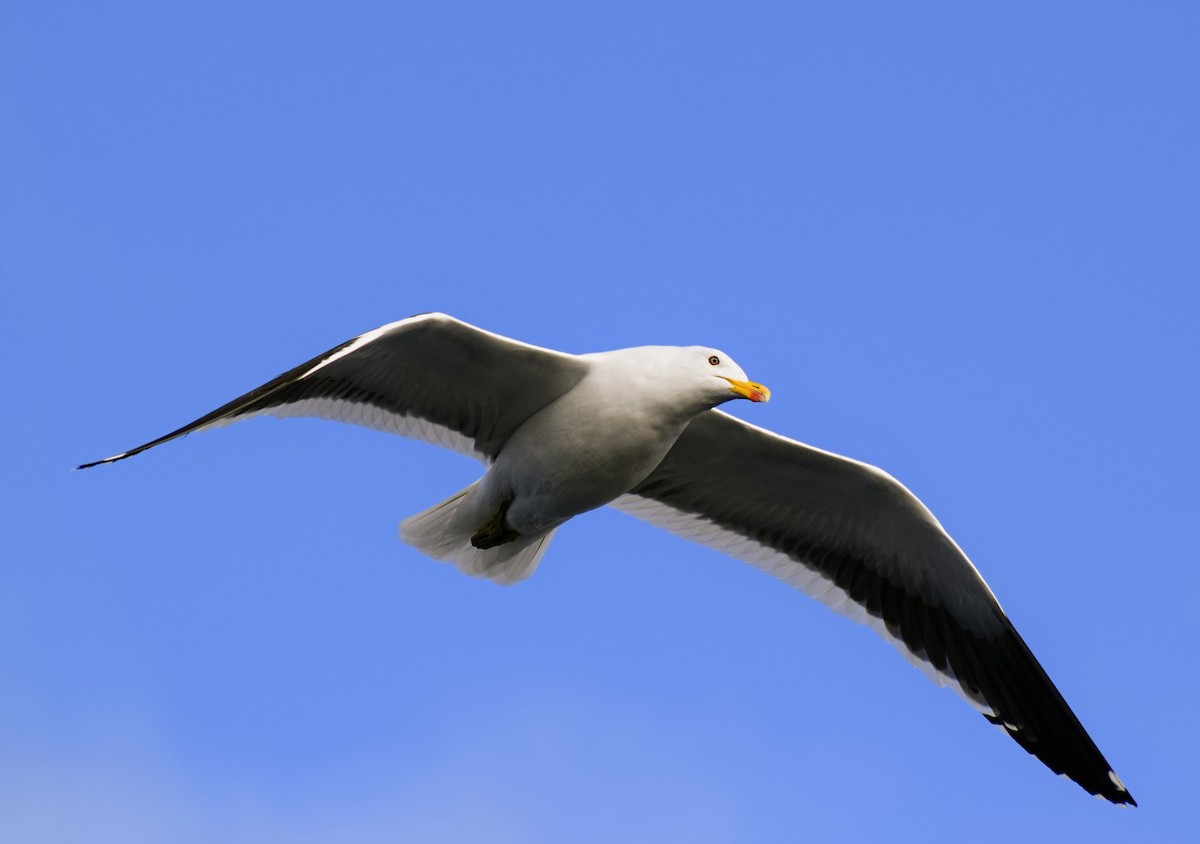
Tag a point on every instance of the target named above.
point(1120, 795)
point(1121, 799)
point(99, 462)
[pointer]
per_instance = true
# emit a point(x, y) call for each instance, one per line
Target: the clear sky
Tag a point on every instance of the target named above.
point(960, 244)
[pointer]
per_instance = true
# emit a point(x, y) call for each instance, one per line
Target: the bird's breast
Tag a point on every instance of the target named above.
point(577, 455)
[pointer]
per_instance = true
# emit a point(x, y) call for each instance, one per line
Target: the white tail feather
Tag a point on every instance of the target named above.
point(435, 533)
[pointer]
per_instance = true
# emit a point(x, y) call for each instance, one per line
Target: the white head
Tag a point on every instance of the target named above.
point(724, 379)
point(699, 376)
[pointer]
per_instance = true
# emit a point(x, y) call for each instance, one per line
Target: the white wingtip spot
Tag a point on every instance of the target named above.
point(1112, 775)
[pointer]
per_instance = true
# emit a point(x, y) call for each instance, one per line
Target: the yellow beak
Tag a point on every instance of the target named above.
point(749, 390)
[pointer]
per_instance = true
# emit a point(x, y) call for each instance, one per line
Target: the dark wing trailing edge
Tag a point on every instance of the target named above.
point(430, 377)
point(855, 538)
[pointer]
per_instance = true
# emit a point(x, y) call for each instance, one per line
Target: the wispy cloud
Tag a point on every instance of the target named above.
point(533, 772)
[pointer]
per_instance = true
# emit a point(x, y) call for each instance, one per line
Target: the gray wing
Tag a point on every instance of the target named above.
point(430, 377)
point(852, 536)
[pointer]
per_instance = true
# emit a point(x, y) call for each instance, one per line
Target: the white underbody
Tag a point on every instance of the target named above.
point(579, 453)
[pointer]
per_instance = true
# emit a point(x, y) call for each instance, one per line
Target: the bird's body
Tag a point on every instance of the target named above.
point(565, 460)
point(582, 450)
point(636, 428)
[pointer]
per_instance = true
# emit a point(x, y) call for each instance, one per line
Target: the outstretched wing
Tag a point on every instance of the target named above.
point(852, 536)
point(430, 377)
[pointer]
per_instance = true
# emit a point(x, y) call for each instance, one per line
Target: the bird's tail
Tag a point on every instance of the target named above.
point(436, 533)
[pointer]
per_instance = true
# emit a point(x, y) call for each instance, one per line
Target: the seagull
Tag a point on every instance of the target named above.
point(638, 429)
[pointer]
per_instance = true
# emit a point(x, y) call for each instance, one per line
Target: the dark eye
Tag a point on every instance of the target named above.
point(714, 360)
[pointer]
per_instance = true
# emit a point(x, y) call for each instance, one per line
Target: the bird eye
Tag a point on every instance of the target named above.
point(714, 360)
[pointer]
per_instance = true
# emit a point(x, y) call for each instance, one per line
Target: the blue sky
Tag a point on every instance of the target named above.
point(961, 244)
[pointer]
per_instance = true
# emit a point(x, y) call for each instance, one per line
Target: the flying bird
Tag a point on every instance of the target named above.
point(561, 434)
